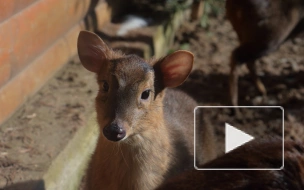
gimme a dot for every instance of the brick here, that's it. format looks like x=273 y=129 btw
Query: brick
x=5 y=73
x=7 y=41
x=35 y=28
x=103 y=14
x=8 y=8
x=17 y=91
x=29 y=43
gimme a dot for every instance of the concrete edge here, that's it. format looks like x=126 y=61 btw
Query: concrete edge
x=67 y=170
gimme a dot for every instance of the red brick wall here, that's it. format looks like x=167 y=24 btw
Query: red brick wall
x=36 y=38
x=8 y=8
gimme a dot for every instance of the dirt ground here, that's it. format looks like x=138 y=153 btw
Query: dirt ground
x=281 y=71
x=41 y=128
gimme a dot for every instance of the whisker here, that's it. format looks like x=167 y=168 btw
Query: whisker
x=123 y=155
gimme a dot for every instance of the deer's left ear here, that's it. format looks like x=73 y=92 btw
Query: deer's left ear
x=175 y=68
x=92 y=51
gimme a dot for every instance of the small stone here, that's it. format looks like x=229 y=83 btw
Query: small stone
x=257 y=100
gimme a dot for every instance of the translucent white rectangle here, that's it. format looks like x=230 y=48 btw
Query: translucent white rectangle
x=276 y=107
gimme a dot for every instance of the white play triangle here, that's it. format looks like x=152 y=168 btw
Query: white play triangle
x=235 y=138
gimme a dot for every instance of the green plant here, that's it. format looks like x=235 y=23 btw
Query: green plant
x=211 y=8
x=162 y=5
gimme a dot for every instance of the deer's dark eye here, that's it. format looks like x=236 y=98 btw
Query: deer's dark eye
x=105 y=87
x=145 y=95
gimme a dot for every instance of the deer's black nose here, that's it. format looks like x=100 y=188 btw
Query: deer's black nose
x=114 y=132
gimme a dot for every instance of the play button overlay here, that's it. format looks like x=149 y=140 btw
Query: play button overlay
x=233 y=132
x=235 y=138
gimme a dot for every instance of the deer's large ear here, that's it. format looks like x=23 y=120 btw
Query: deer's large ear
x=92 y=51
x=175 y=68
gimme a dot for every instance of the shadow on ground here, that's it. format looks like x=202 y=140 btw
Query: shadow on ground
x=27 y=185
x=213 y=89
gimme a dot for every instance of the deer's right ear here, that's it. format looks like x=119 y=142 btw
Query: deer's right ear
x=175 y=68
x=92 y=51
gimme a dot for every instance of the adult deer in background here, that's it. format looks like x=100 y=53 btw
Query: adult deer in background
x=261 y=26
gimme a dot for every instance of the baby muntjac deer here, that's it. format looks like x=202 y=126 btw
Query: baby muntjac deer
x=291 y=177
x=261 y=26
x=146 y=129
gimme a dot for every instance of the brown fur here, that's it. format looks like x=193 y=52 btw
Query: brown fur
x=159 y=130
x=262 y=26
x=249 y=155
